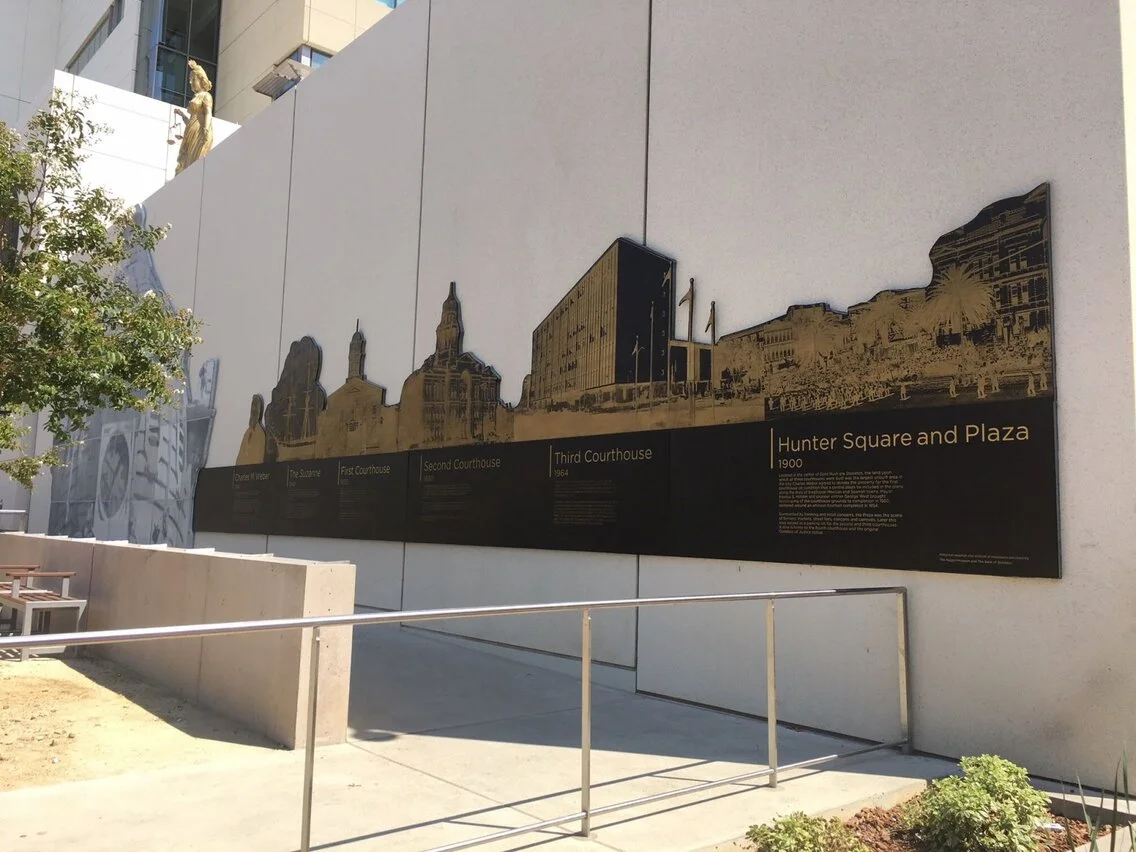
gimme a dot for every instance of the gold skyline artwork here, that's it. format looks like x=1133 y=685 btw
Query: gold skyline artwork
x=606 y=359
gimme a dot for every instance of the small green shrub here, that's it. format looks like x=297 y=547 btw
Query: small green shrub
x=992 y=808
x=798 y=832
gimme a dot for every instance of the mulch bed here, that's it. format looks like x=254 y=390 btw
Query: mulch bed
x=882 y=831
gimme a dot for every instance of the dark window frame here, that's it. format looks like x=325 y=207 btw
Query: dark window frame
x=160 y=88
x=111 y=18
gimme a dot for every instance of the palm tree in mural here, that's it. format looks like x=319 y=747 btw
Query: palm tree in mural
x=815 y=335
x=960 y=301
x=885 y=315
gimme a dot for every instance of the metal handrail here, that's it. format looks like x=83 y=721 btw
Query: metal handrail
x=586 y=812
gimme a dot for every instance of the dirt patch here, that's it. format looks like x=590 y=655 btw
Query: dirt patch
x=86 y=718
x=882 y=831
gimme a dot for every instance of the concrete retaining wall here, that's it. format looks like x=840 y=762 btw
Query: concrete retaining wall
x=258 y=679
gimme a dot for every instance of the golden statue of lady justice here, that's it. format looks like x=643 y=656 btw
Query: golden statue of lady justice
x=197 y=138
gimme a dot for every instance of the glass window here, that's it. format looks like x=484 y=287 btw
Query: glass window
x=98 y=35
x=173 y=69
x=305 y=54
x=175 y=24
x=205 y=29
x=190 y=30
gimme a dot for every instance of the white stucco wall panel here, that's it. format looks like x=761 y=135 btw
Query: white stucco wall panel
x=13 y=43
x=240 y=266
x=232 y=543
x=534 y=161
x=40 y=39
x=353 y=233
x=175 y=258
x=378 y=564
x=442 y=576
x=837 y=659
x=9 y=110
x=115 y=60
x=798 y=152
x=802 y=152
x=132 y=182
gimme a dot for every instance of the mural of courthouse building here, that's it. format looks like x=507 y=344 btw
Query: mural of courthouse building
x=613 y=327
x=1010 y=251
x=999 y=266
x=357 y=420
x=454 y=397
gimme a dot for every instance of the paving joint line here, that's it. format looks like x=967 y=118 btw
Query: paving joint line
x=426 y=731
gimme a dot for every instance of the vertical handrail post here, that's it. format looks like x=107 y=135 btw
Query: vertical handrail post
x=310 y=745
x=586 y=723
x=904 y=672
x=771 y=687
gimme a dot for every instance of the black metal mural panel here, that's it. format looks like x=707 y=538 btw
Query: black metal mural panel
x=467 y=495
x=912 y=430
x=237 y=499
x=967 y=489
x=370 y=497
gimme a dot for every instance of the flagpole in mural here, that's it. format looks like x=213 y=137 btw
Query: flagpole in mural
x=651 y=362
x=688 y=299
x=635 y=352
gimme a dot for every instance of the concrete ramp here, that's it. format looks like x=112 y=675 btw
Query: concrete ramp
x=450 y=741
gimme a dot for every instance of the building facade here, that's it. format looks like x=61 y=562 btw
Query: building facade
x=144 y=46
x=357 y=420
x=612 y=327
x=454 y=397
x=1012 y=255
x=534 y=159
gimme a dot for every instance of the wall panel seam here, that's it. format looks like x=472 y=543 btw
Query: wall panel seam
x=421 y=191
x=287 y=240
x=647 y=117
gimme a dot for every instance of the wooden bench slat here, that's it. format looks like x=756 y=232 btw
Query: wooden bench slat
x=24 y=574
x=33 y=595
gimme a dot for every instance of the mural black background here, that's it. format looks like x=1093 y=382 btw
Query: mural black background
x=704 y=492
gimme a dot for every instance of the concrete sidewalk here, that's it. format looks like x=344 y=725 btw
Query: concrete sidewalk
x=450 y=742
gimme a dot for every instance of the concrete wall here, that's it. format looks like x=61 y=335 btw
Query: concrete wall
x=258 y=34
x=117 y=57
x=786 y=153
x=41 y=36
x=257 y=679
x=133 y=161
x=28 y=44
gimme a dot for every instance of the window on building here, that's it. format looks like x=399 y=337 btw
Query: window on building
x=305 y=54
x=98 y=35
x=308 y=55
x=190 y=29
